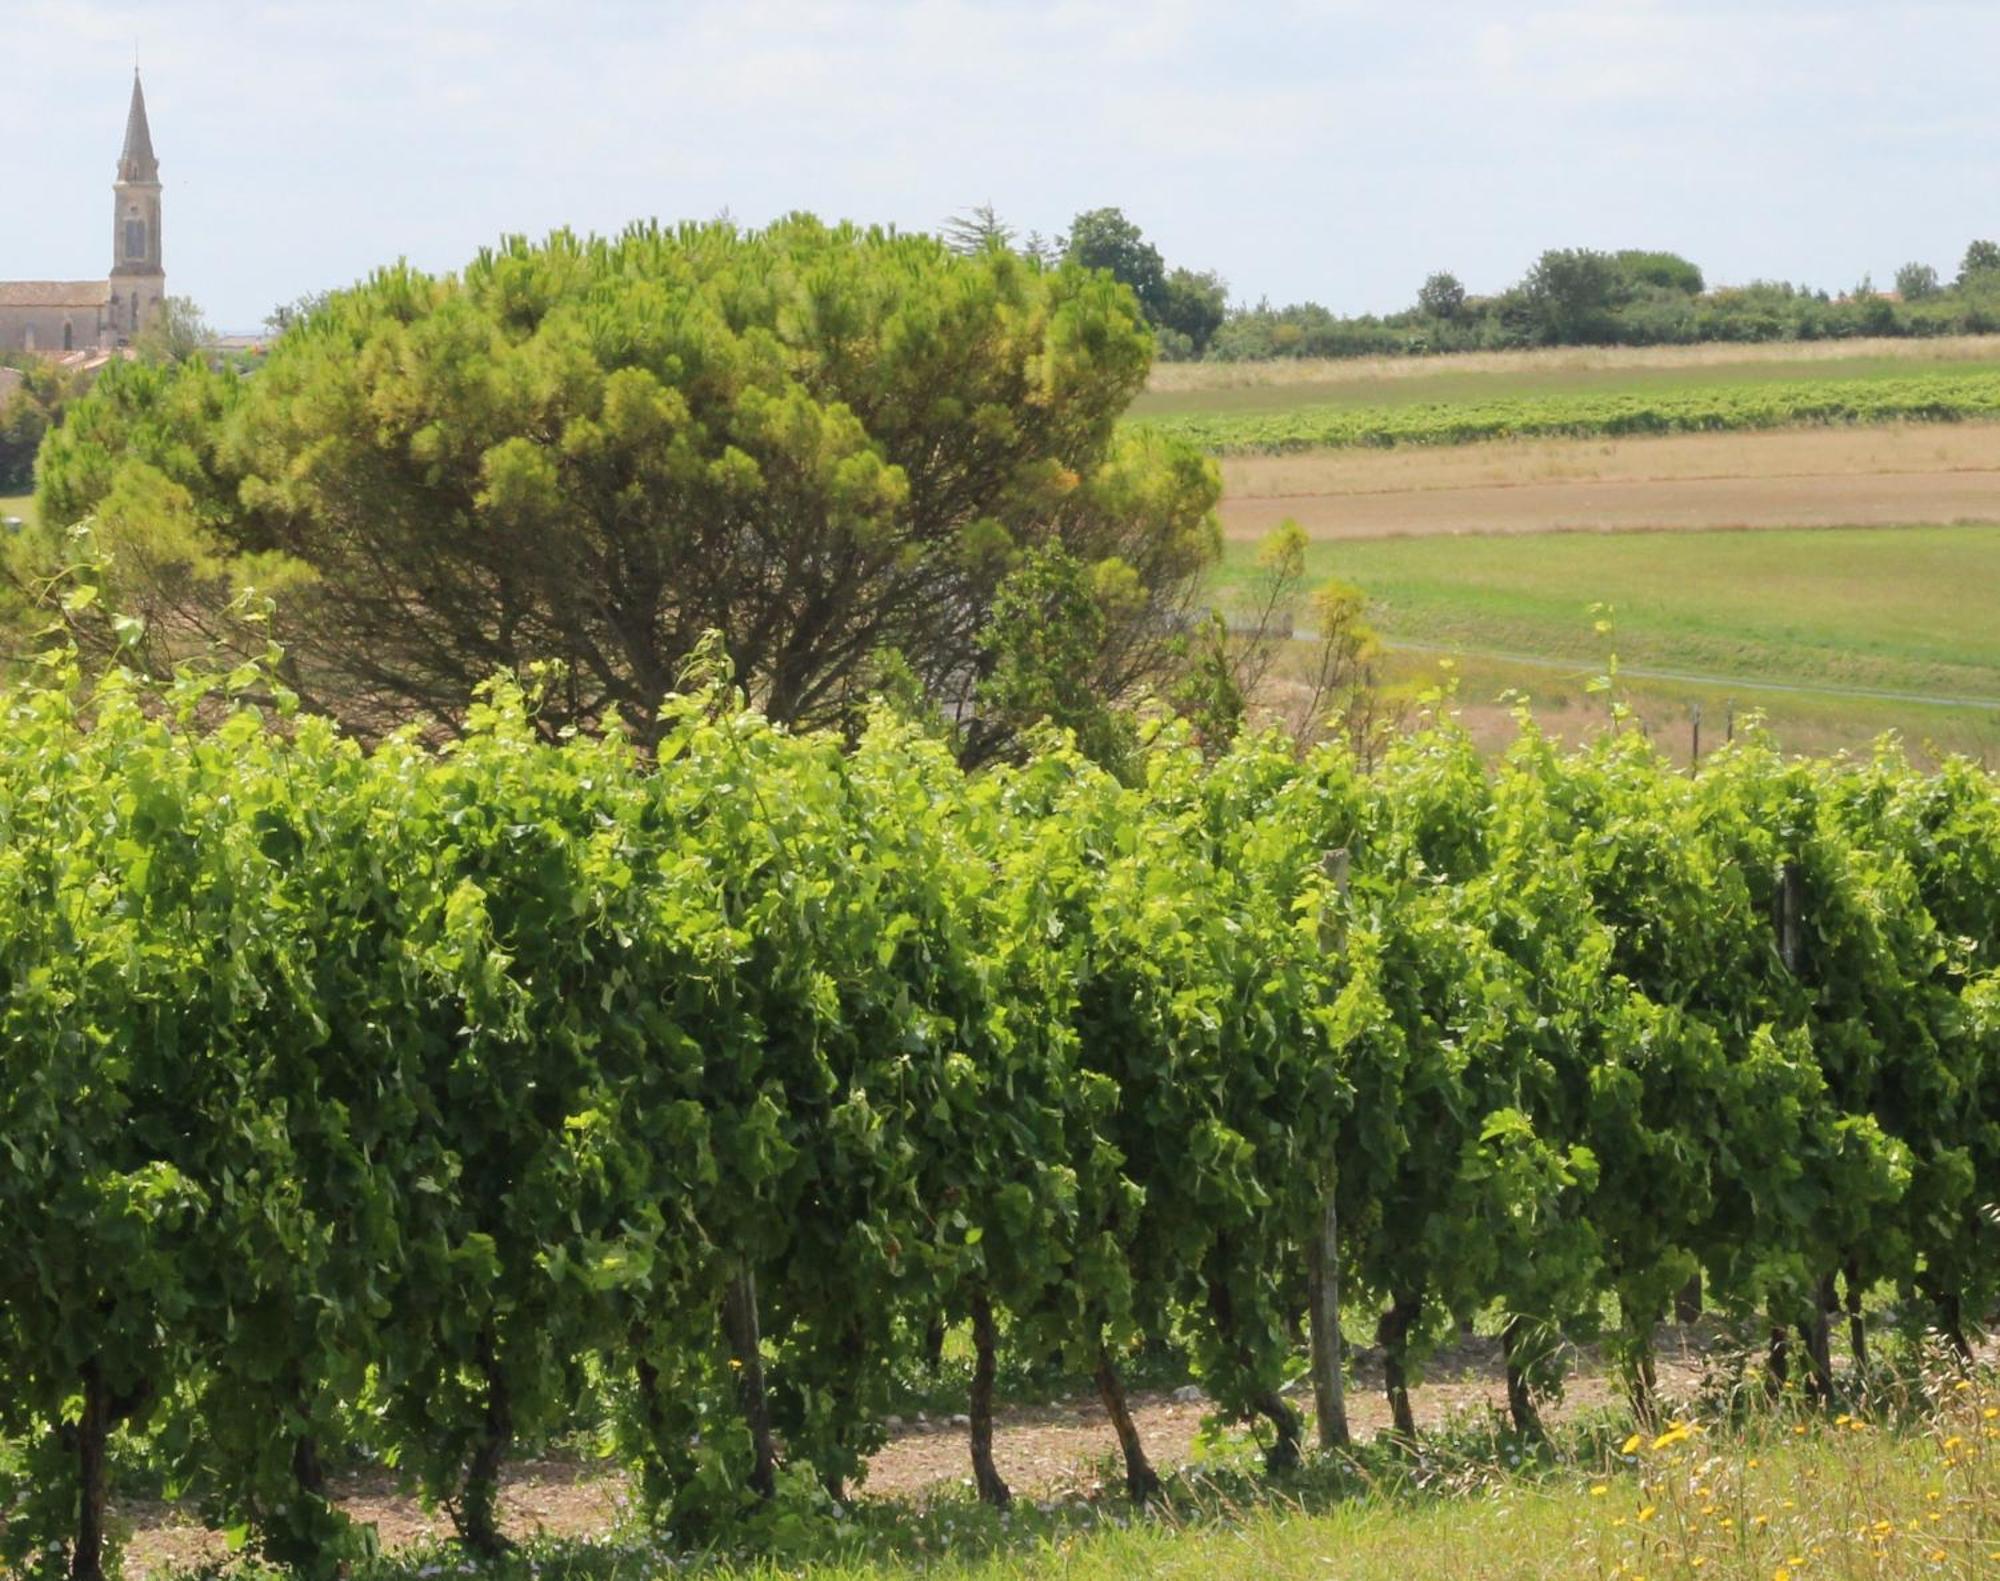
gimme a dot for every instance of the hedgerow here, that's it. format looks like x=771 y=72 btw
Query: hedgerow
x=398 y=1098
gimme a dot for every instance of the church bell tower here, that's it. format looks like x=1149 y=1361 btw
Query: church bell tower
x=138 y=279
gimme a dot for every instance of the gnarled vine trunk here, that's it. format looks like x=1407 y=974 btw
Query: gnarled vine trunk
x=1141 y=1481
x=103 y=1410
x=1857 y=1324
x=1520 y=1398
x=1283 y=1454
x=93 y=1439
x=477 y=1514
x=1816 y=1332
x=986 y=1476
x=1393 y=1333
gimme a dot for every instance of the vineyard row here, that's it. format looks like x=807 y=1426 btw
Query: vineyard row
x=1931 y=398
x=398 y=1099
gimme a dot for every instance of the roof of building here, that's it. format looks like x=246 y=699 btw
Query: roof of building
x=137 y=163
x=54 y=293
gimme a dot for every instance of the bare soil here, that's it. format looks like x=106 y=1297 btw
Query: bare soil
x=1041 y=1450
x=1816 y=478
x=1891 y=448
x=1707 y=504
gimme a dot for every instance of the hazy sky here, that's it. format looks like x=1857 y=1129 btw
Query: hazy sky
x=1333 y=151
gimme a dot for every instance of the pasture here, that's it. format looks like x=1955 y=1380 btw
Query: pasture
x=21 y=505
x=1836 y=635
x=1906 y=610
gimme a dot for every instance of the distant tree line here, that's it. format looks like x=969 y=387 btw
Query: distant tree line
x=1573 y=296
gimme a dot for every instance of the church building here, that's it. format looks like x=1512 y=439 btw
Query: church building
x=54 y=316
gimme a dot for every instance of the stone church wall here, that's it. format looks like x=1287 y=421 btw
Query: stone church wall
x=46 y=325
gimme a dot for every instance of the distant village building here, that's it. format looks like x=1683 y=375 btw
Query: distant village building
x=56 y=316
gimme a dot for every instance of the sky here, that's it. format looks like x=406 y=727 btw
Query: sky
x=1335 y=152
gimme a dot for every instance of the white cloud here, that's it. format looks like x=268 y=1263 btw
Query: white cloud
x=1332 y=150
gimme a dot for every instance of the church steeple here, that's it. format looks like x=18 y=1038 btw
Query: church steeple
x=138 y=277
x=137 y=163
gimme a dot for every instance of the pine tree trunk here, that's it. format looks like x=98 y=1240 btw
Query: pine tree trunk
x=1393 y=1333
x=1520 y=1398
x=746 y=1345
x=986 y=1477
x=1141 y=1481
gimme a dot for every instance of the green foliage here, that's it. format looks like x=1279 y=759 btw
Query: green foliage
x=396 y=1099
x=828 y=444
x=176 y=332
x=1917 y=282
x=1442 y=297
x=1570 y=296
x=1105 y=239
x=1186 y=307
x=1634 y=297
x=1982 y=258
x=1193 y=307
x=1661 y=270
x=1046 y=632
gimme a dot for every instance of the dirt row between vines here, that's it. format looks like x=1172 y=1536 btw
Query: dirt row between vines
x=1044 y=1452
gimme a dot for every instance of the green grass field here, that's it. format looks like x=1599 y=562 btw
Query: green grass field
x=1902 y=610
x=21 y=505
x=1839 y=633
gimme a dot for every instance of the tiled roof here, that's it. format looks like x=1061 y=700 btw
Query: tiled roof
x=54 y=293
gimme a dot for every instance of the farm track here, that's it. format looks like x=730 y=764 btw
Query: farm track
x=1627 y=505
x=1051 y=1451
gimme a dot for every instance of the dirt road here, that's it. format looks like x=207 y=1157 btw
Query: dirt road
x=1804 y=478
x=1701 y=504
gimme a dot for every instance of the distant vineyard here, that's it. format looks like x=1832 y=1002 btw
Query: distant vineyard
x=403 y=1098
x=1937 y=398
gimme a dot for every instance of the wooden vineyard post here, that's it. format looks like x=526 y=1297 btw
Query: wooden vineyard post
x=1323 y=1252
x=1694 y=736
x=1814 y=1331
x=1791 y=903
